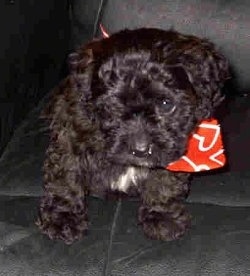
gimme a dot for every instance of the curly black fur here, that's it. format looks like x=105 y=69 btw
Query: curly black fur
x=126 y=110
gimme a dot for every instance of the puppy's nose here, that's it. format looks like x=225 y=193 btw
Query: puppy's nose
x=141 y=149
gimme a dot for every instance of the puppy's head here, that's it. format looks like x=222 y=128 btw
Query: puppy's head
x=149 y=89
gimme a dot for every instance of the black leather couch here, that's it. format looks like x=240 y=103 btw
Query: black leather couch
x=218 y=243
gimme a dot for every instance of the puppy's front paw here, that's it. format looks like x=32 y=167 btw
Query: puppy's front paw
x=164 y=226
x=63 y=228
x=62 y=222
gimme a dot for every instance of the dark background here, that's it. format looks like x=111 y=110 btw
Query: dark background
x=35 y=37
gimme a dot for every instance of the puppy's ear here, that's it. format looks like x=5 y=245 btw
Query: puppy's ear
x=81 y=69
x=207 y=70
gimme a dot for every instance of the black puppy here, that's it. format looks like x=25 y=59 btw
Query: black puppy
x=127 y=110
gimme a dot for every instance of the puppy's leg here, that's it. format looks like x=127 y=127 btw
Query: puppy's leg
x=162 y=213
x=63 y=212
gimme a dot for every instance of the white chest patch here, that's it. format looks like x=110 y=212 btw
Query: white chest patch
x=130 y=177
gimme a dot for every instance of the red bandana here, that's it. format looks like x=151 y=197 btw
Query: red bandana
x=205 y=148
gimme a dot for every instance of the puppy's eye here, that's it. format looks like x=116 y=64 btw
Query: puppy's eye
x=168 y=106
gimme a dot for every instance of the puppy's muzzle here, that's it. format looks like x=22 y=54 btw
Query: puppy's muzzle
x=140 y=148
